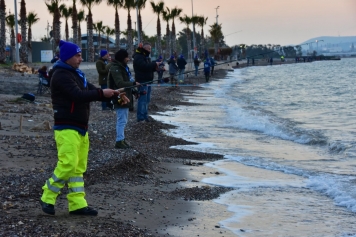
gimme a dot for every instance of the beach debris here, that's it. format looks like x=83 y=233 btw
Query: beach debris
x=21 y=67
x=42 y=126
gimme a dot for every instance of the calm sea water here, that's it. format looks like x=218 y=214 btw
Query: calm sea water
x=288 y=133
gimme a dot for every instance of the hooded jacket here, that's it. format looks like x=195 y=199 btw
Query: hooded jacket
x=103 y=73
x=118 y=77
x=71 y=96
x=143 y=66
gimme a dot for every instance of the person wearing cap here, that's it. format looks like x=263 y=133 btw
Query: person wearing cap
x=173 y=68
x=144 y=69
x=212 y=63
x=119 y=77
x=181 y=68
x=103 y=73
x=71 y=95
x=207 y=65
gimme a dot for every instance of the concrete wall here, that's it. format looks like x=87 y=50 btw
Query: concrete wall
x=36 y=50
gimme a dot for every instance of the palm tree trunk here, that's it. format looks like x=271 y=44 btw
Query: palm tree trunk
x=189 y=44
x=99 y=43
x=140 y=25
x=159 y=47
x=90 y=37
x=12 y=42
x=216 y=48
x=202 y=39
x=168 y=40
x=75 y=25
x=67 y=30
x=129 y=35
x=79 y=35
x=23 y=24
x=56 y=27
x=173 y=38
x=2 y=31
x=107 y=42
x=29 y=44
x=117 y=30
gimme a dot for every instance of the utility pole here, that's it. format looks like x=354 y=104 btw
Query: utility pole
x=195 y=48
x=217 y=14
x=138 y=26
x=16 y=31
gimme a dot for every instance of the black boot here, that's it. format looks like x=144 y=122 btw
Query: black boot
x=47 y=208
x=85 y=211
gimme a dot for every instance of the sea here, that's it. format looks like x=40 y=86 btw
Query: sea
x=288 y=136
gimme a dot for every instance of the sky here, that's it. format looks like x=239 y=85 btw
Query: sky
x=249 y=22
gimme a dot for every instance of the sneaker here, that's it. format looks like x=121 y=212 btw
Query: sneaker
x=85 y=211
x=47 y=208
x=121 y=145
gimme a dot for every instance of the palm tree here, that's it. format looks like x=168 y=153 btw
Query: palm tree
x=75 y=24
x=23 y=24
x=117 y=4
x=216 y=35
x=166 y=17
x=187 y=20
x=89 y=4
x=108 y=32
x=175 y=12
x=129 y=4
x=53 y=8
x=202 y=22
x=100 y=28
x=10 y=22
x=158 y=9
x=31 y=19
x=140 y=5
x=80 y=18
x=2 y=31
x=66 y=13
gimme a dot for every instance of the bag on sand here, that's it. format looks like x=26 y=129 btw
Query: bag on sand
x=29 y=96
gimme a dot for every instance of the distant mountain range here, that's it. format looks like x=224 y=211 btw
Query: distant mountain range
x=343 y=42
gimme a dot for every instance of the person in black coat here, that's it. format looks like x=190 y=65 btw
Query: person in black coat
x=144 y=73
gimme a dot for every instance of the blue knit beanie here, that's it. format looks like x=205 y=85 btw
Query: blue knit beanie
x=103 y=52
x=67 y=50
x=172 y=56
x=181 y=56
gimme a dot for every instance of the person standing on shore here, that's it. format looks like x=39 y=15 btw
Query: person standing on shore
x=212 y=63
x=144 y=70
x=172 y=69
x=119 y=77
x=196 y=64
x=103 y=73
x=207 y=66
x=181 y=67
x=71 y=95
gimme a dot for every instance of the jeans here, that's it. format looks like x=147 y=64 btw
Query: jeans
x=103 y=104
x=121 y=121
x=181 y=75
x=196 y=70
x=143 y=101
x=160 y=76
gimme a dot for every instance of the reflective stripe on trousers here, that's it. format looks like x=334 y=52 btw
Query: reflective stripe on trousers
x=72 y=163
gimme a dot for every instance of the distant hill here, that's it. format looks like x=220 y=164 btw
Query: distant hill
x=343 y=42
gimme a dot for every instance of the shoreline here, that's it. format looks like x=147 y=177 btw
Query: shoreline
x=139 y=191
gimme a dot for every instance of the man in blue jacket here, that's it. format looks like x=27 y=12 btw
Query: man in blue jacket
x=144 y=73
x=181 y=66
x=207 y=66
x=213 y=63
x=71 y=95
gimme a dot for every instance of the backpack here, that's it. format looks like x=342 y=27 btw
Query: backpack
x=29 y=96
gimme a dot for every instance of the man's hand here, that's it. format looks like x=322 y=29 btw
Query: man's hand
x=108 y=93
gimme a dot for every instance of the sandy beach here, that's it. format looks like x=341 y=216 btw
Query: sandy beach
x=149 y=190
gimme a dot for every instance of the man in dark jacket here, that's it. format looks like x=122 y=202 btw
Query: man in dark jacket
x=181 y=66
x=103 y=72
x=144 y=70
x=71 y=95
x=120 y=77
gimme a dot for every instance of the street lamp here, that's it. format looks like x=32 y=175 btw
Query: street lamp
x=217 y=14
x=138 y=26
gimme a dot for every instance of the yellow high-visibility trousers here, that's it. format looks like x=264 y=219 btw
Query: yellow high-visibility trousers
x=73 y=151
